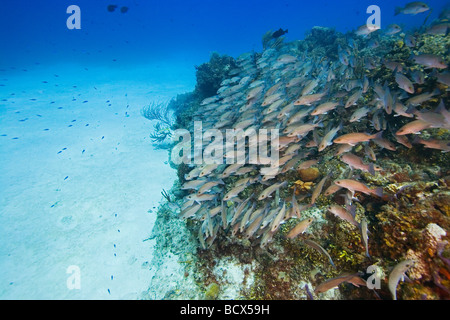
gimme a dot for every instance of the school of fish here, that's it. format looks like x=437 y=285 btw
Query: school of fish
x=320 y=106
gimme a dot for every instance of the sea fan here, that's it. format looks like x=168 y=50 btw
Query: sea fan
x=163 y=128
x=160 y=133
x=158 y=111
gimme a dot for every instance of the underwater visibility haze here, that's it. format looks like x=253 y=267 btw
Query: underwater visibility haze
x=225 y=150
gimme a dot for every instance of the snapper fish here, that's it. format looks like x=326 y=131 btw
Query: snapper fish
x=353 y=99
x=318 y=190
x=413 y=127
x=356 y=162
x=344 y=214
x=234 y=192
x=443 y=78
x=328 y=137
x=319 y=248
x=366 y=29
x=404 y=83
x=309 y=87
x=409 y=41
x=287 y=58
x=268 y=191
x=403 y=140
x=303 y=129
x=413 y=8
x=359 y=113
x=439 y=118
x=365 y=235
x=418 y=76
x=419 y=99
x=430 y=61
x=443 y=145
x=354 y=185
x=300 y=228
x=438 y=29
x=324 y=108
x=397 y=274
x=356 y=137
x=393 y=29
x=309 y=99
x=354 y=279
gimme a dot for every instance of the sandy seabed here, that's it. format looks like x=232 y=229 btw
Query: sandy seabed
x=80 y=179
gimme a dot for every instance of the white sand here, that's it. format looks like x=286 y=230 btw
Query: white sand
x=97 y=217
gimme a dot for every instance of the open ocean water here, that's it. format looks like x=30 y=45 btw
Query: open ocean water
x=93 y=206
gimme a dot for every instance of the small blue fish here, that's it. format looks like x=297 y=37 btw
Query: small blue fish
x=66 y=177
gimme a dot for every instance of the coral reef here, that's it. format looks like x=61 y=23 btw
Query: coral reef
x=210 y=75
x=398 y=195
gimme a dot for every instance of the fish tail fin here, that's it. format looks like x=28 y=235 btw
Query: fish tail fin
x=411 y=110
x=398 y=10
x=351 y=208
x=378 y=192
x=378 y=135
x=371 y=169
x=416 y=140
x=434 y=73
x=440 y=108
x=436 y=92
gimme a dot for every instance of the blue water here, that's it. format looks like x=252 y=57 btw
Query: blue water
x=183 y=31
x=78 y=170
